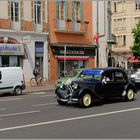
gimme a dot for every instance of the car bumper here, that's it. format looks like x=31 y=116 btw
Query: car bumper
x=64 y=96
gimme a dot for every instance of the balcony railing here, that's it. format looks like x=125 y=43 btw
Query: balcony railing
x=69 y=26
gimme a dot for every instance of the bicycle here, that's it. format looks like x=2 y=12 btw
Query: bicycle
x=38 y=81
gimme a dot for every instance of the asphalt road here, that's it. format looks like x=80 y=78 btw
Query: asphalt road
x=38 y=116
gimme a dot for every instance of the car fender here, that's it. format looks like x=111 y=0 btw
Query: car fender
x=128 y=86
x=87 y=90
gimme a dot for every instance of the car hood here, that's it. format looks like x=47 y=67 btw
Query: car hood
x=87 y=82
x=64 y=80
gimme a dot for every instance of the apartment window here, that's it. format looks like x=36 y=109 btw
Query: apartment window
x=61 y=10
x=124 y=40
x=137 y=2
x=115 y=7
x=37 y=11
x=77 y=10
x=14 y=11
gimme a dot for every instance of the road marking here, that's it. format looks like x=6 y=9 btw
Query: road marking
x=45 y=104
x=10 y=99
x=2 y=108
x=38 y=93
x=47 y=95
x=19 y=113
x=68 y=119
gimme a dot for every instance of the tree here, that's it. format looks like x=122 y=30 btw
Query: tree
x=136 y=45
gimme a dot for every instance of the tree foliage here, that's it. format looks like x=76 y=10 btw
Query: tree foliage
x=136 y=45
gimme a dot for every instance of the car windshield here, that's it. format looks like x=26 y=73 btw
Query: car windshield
x=92 y=74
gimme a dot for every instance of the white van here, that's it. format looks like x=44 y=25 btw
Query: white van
x=11 y=80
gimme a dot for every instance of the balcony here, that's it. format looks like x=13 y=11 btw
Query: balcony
x=71 y=27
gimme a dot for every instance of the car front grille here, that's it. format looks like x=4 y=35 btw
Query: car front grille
x=70 y=88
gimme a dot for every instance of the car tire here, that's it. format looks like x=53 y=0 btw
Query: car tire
x=130 y=95
x=17 y=91
x=61 y=102
x=86 y=100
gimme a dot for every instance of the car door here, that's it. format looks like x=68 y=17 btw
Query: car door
x=109 y=87
x=119 y=82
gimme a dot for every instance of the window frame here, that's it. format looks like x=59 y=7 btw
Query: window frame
x=15 y=10
x=37 y=11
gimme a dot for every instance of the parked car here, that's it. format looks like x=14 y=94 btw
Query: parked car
x=71 y=75
x=11 y=80
x=94 y=87
x=135 y=77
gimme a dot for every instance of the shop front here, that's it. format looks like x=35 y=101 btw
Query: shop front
x=11 y=55
x=69 y=58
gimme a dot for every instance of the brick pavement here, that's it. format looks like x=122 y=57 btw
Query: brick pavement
x=48 y=87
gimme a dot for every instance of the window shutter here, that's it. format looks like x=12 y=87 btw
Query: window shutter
x=81 y=11
x=57 y=9
x=73 y=11
x=66 y=10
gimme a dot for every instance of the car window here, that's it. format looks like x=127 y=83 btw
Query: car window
x=93 y=74
x=119 y=76
x=109 y=75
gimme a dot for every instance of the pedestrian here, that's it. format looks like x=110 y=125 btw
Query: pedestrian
x=36 y=72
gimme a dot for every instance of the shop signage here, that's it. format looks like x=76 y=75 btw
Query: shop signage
x=74 y=51
x=11 y=49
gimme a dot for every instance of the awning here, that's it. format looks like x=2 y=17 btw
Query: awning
x=73 y=57
x=133 y=60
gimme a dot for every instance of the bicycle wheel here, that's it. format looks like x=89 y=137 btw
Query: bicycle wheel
x=43 y=81
x=33 y=82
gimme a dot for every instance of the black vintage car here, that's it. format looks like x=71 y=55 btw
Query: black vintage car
x=97 y=85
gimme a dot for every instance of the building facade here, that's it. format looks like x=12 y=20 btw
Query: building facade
x=101 y=28
x=71 y=36
x=125 y=15
x=24 y=35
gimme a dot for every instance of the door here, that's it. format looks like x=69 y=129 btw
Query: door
x=120 y=83
x=108 y=87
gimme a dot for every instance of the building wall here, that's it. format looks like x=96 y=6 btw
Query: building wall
x=26 y=32
x=72 y=38
x=128 y=12
x=102 y=30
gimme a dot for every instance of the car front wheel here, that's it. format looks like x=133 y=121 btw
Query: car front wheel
x=17 y=91
x=85 y=100
x=130 y=95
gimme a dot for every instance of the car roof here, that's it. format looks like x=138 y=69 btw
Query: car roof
x=109 y=68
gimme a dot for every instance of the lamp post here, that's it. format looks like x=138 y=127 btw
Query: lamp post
x=65 y=49
x=97 y=34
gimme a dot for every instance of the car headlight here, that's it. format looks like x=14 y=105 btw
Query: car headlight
x=62 y=85
x=75 y=86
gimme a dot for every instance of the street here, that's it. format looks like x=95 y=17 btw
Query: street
x=38 y=116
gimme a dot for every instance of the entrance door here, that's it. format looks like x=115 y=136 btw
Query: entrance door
x=5 y=61
x=39 y=61
x=39 y=50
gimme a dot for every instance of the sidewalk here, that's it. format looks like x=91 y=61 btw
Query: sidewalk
x=48 y=87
